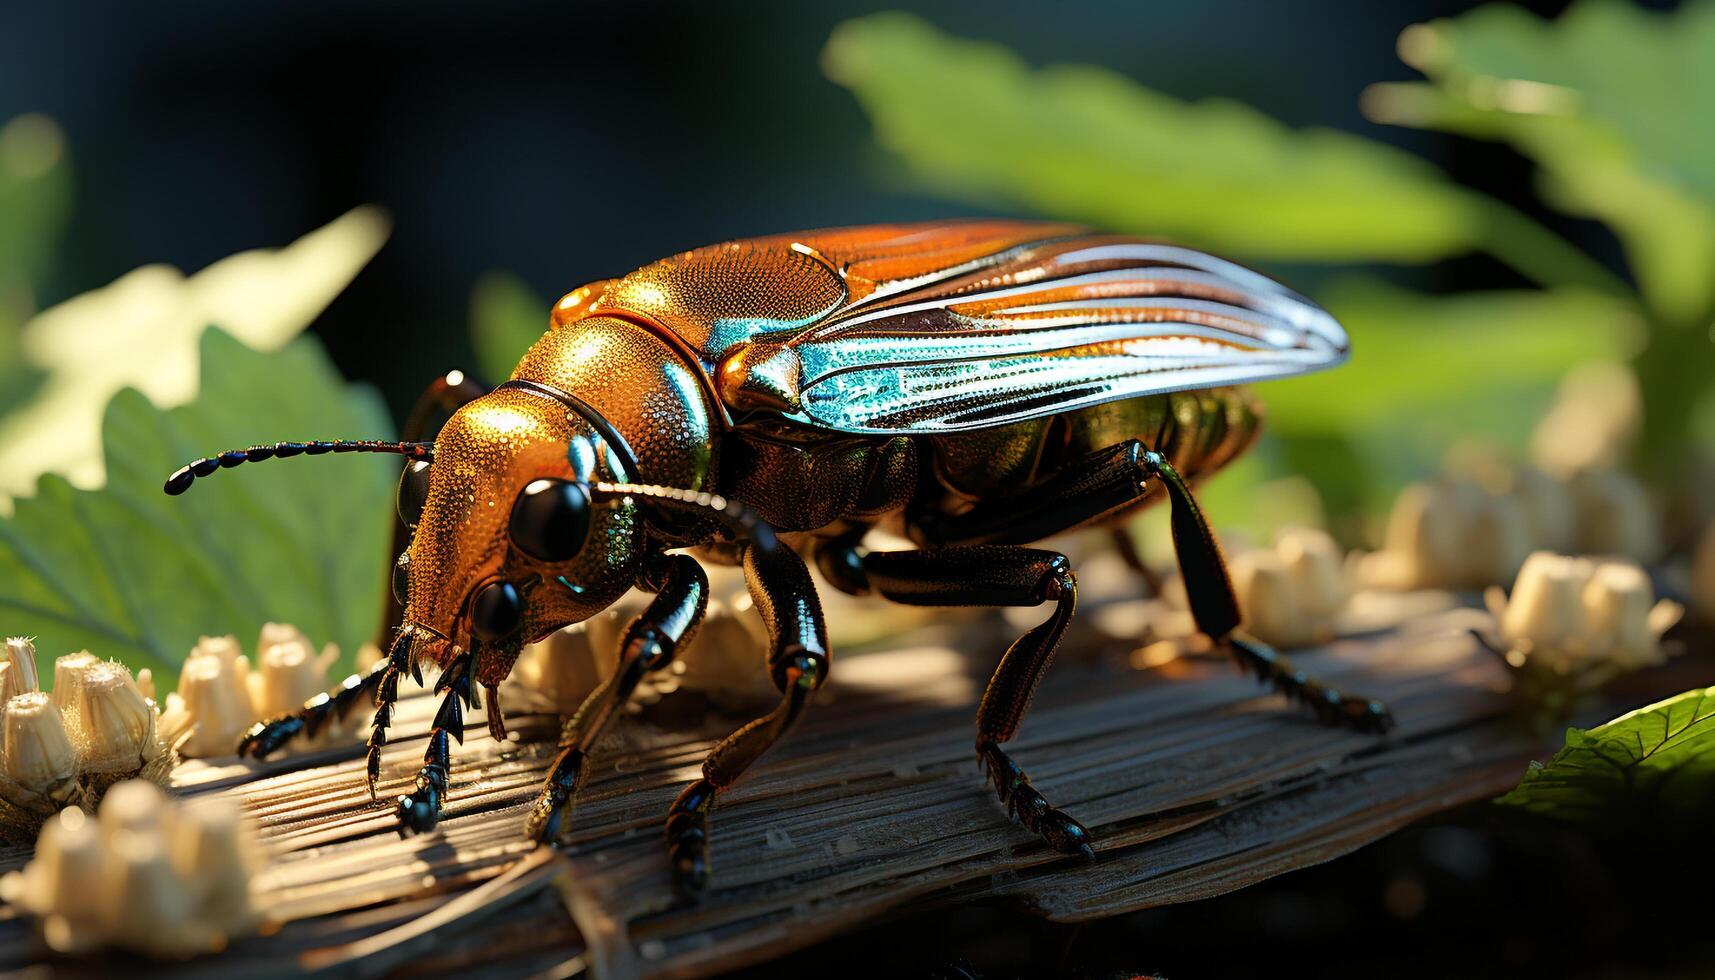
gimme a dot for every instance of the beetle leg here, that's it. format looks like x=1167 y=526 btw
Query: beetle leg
x=1087 y=491
x=798 y=661
x=265 y=737
x=1215 y=608
x=420 y=810
x=682 y=596
x=998 y=575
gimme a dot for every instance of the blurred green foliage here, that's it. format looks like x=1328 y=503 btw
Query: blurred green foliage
x=35 y=202
x=1606 y=100
x=1652 y=767
x=506 y=318
x=1613 y=103
x=972 y=121
x=1084 y=143
x=1408 y=392
x=131 y=573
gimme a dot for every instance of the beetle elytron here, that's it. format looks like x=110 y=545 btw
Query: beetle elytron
x=973 y=386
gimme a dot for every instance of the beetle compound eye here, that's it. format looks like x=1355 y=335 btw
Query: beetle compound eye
x=413 y=492
x=551 y=519
x=402 y=577
x=495 y=611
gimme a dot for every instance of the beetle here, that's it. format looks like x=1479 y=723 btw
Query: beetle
x=974 y=386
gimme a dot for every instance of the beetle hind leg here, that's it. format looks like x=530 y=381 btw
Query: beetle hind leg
x=1215 y=608
x=1105 y=483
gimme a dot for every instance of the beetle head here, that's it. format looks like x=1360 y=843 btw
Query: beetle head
x=509 y=543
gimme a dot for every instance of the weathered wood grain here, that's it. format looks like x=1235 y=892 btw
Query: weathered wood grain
x=1193 y=780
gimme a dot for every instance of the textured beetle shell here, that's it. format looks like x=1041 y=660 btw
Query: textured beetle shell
x=852 y=377
x=991 y=353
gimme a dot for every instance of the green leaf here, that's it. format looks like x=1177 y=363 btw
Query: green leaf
x=35 y=202
x=141 y=331
x=1610 y=100
x=1656 y=762
x=506 y=317
x=974 y=122
x=1404 y=397
x=1410 y=350
x=131 y=573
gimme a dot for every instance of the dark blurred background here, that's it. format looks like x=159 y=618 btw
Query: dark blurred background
x=566 y=143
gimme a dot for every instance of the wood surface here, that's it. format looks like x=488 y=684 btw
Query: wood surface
x=1193 y=780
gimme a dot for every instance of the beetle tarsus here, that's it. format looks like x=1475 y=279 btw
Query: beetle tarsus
x=1028 y=806
x=688 y=838
x=388 y=673
x=546 y=822
x=420 y=810
x=1330 y=705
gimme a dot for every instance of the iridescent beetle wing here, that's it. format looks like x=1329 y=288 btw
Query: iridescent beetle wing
x=951 y=327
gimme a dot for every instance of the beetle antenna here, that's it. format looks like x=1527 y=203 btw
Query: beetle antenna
x=735 y=518
x=185 y=475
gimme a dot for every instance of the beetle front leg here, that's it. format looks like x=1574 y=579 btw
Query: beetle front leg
x=1215 y=607
x=420 y=810
x=798 y=661
x=650 y=642
x=266 y=737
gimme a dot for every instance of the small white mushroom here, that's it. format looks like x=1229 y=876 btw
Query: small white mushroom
x=19 y=668
x=1615 y=516
x=728 y=658
x=68 y=683
x=117 y=725
x=135 y=806
x=559 y=671
x=1544 y=611
x=211 y=708
x=39 y=754
x=144 y=905
x=288 y=673
x=69 y=855
x=1291 y=593
x=214 y=858
x=1315 y=560
x=1594 y=617
x=151 y=875
x=63 y=881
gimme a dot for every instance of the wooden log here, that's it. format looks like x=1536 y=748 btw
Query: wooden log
x=1193 y=781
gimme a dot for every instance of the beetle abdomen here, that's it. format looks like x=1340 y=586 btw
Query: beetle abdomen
x=1199 y=431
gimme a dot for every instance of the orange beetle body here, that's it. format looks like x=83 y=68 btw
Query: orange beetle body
x=974 y=386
